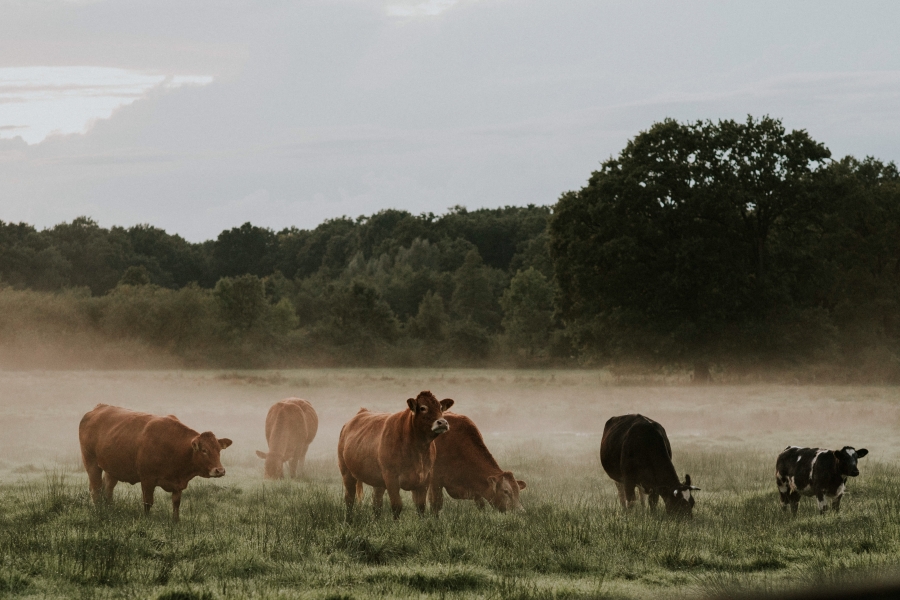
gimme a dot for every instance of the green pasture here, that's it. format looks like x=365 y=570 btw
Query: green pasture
x=245 y=538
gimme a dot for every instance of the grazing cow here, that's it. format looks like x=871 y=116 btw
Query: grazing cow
x=635 y=451
x=465 y=467
x=815 y=472
x=118 y=444
x=392 y=452
x=291 y=426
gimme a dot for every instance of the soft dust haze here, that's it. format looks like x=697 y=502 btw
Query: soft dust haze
x=553 y=416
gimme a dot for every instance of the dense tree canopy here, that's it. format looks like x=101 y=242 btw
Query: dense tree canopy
x=690 y=241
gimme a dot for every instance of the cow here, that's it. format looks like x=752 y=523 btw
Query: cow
x=391 y=452
x=465 y=468
x=635 y=452
x=291 y=426
x=815 y=472
x=118 y=444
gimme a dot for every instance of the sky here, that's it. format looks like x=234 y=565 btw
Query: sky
x=199 y=116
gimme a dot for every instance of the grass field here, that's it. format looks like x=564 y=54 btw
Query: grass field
x=243 y=537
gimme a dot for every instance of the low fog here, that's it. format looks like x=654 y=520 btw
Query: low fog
x=558 y=415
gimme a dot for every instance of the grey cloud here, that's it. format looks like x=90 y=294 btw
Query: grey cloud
x=322 y=109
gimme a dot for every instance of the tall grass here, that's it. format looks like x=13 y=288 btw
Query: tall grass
x=242 y=537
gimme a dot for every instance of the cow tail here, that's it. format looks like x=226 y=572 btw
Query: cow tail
x=359 y=491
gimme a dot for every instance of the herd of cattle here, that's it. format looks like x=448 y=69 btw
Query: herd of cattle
x=423 y=449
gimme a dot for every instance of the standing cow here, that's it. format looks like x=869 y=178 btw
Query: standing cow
x=291 y=426
x=815 y=472
x=118 y=444
x=635 y=452
x=465 y=467
x=392 y=452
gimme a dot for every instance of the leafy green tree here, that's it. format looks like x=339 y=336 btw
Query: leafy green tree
x=861 y=246
x=687 y=245
x=528 y=310
x=242 y=301
x=97 y=256
x=473 y=297
x=358 y=318
x=245 y=250
x=135 y=275
x=431 y=322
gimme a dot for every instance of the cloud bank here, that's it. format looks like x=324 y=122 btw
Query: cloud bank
x=299 y=112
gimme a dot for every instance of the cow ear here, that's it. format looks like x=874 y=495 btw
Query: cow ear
x=195 y=444
x=411 y=403
x=446 y=403
x=492 y=481
x=861 y=452
x=687 y=480
x=224 y=443
x=695 y=488
x=522 y=484
x=262 y=455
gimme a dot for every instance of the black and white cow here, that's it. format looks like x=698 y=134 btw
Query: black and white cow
x=815 y=472
x=635 y=452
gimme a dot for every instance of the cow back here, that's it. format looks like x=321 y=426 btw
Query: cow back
x=127 y=443
x=635 y=443
x=461 y=454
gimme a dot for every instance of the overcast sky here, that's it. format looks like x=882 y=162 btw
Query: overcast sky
x=199 y=116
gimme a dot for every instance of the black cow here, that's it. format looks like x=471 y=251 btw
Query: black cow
x=635 y=452
x=815 y=472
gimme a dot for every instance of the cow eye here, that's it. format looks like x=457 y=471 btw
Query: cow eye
x=423 y=409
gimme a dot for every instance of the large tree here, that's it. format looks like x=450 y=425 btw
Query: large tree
x=690 y=244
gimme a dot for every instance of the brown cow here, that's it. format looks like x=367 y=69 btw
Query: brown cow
x=118 y=444
x=391 y=452
x=465 y=467
x=291 y=426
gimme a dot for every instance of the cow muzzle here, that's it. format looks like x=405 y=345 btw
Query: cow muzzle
x=854 y=472
x=440 y=426
x=217 y=472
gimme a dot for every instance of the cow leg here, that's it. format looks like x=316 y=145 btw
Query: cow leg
x=436 y=498
x=176 y=504
x=630 y=498
x=784 y=491
x=836 y=503
x=823 y=504
x=620 y=489
x=109 y=482
x=795 y=502
x=479 y=502
x=95 y=479
x=147 y=491
x=349 y=492
x=419 y=495
x=393 y=490
x=301 y=460
x=377 y=500
x=642 y=495
x=292 y=467
x=653 y=500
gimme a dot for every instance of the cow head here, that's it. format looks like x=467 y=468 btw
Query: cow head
x=846 y=460
x=503 y=492
x=680 y=501
x=206 y=450
x=428 y=414
x=274 y=468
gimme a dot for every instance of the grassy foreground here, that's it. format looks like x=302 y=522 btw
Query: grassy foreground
x=245 y=538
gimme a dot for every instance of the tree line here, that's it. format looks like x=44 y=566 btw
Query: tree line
x=726 y=246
